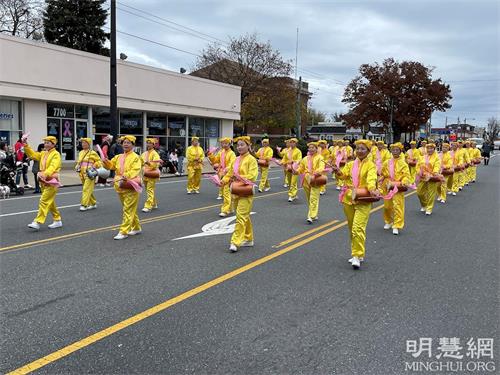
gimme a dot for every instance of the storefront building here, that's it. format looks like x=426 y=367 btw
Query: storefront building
x=52 y=90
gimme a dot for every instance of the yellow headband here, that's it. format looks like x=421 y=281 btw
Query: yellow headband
x=293 y=140
x=398 y=145
x=430 y=145
x=364 y=142
x=315 y=144
x=413 y=143
x=320 y=142
x=129 y=138
x=446 y=144
x=152 y=140
x=380 y=142
x=87 y=140
x=225 y=140
x=265 y=140
x=51 y=139
x=244 y=138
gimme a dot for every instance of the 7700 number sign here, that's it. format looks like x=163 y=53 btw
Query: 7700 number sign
x=59 y=112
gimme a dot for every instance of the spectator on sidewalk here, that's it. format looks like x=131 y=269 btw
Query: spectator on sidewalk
x=179 y=150
x=486 y=151
x=22 y=163
x=174 y=159
x=35 y=169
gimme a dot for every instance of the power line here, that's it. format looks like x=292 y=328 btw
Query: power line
x=165 y=25
x=174 y=23
x=154 y=42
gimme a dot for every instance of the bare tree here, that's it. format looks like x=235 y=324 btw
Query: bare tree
x=22 y=18
x=493 y=129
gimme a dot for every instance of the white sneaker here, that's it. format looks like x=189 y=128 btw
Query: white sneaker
x=56 y=224
x=290 y=199
x=309 y=220
x=267 y=189
x=285 y=185
x=387 y=226
x=246 y=244
x=93 y=207
x=189 y=192
x=361 y=260
x=28 y=186
x=460 y=188
x=233 y=248
x=449 y=193
x=428 y=213
x=315 y=218
x=337 y=188
x=34 y=225
x=395 y=231
x=222 y=214
x=355 y=263
x=219 y=197
x=100 y=185
x=120 y=236
x=442 y=201
x=134 y=232
x=321 y=193
x=108 y=184
x=177 y=174
x=422 y=209
x=83 y=208
x=454 y=194
x=197 y=192
x=260 y=190
x=146 y=210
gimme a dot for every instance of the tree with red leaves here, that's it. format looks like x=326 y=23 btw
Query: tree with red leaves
x=402 y=92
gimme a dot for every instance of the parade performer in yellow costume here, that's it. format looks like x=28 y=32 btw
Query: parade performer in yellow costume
x=151 y=161
x=128 y=185
x=311 y=169
x=50 y=165
x=348 y=150
x=243 y=172
x=379 y=156
x=195 y=156
x=264 y=155
x=475 y=156
x=457 y=161
x=225 y=157
x=429 y=168
x=413 y=155
x=447 y=172
x=360 y=173
x=464 y=158
x=292 y=156
x=286 y=174
x=340 y=158
x=325 y=153
x=395 y=171
x=423 y=148
x=88 y=160
x=470 y=162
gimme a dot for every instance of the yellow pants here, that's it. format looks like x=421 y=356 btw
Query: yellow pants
x=427 y=192
x=473 y=173
x=243 y=230
x=454 y=182
x=292 y=186
x=470 y=173
x=221 y=191
x=413 y=173
x=322 y=188
x=130 y=219
x=394 y=211
x=47 y=204
x=312 y=195
x=357 y=218
x=264 y=182
x=461 y=179
x=287 y=178
x=194 y=179
x=88 y=198
x=226 y=207
x=150 y=190
x=445 y=187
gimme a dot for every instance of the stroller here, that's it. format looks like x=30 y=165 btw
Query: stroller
x=8 y=177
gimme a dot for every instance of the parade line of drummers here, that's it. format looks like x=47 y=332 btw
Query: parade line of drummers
x=369 y=173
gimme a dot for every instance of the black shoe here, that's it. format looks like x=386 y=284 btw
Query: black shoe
x=36 y=192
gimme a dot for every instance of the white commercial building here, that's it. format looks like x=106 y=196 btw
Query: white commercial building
x=51 y=90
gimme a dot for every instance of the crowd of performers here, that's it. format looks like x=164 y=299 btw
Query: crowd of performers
x=371 y=172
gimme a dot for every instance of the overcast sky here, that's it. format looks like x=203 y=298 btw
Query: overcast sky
x=460 y=39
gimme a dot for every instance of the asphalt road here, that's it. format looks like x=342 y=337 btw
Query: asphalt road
x=291 y=304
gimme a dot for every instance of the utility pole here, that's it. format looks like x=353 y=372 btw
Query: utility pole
x=113 y=110
x=390 y=120
x=297 y=113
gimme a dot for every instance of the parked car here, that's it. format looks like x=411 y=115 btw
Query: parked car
x=496 y=144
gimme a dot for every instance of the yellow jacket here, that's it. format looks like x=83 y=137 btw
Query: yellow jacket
x=384 y=155
x=248 y=169
x=283 y=152
x=325 y=153
x=295 y=154
x=456 y=158
x=401 y=170
x=367 y=177
x=87 y=156
x=132 y=167
x=446 y=160
x=465 y=155
x=317 y=166
x=50 y=161
x=150 y=156
x=413 y=154
x=475 y=154
x=432 y=166
x=265 y=153
x=195 y=156
x=229 y=157
x=348 y=151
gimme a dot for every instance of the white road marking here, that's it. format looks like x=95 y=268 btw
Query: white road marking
x=29 y=212
x=214 y=228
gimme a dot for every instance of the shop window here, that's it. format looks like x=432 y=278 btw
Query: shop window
x=131 y=123
x=196 y=127
x=157 y=124
x=176 y=126
x=101 y=120
x=60 y=110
